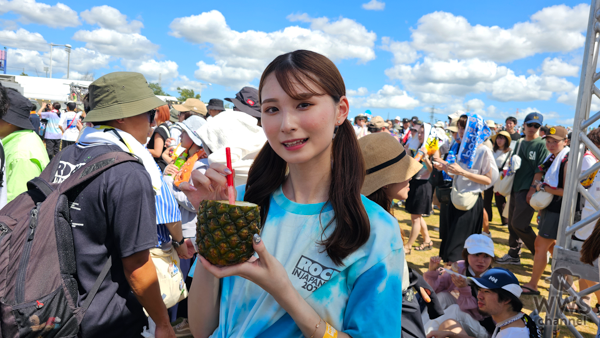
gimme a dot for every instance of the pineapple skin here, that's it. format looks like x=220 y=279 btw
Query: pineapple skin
x=225 y=232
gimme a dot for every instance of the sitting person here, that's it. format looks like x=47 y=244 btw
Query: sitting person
x=478 y=255
x=498 y=295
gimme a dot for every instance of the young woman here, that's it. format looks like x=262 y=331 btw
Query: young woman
x=555 y=174
x=420 y=195
x=157 y=144
x=501 y=150
x=388 y=171
x=478 y=255
x=325 y=254
x=474 y=172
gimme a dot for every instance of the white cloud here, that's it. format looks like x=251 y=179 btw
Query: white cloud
x=387 y=97
x=362 y=91
x=221 y=73
x=570 y=98
x=30 y=11
x=184 y=82
x=521 y=88
x=566 y=122
x=242 y=56
x=558 y=67
x=553 y=29
x=403 y=52
x=374 y=5
x=111 y=18
x=435 y=81
x=151 y=69
x=23 y=39
x=106 y=41
x=82 y=60
x=475 y=104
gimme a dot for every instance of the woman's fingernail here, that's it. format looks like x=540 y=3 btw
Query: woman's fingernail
x=227 y=171
x=256 y=238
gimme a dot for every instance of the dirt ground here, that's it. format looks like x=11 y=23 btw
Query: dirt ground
x=420 y=260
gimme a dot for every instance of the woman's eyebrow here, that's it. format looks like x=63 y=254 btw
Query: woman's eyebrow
x=269 y=100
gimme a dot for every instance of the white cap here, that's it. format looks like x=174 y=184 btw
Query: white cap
x=439 y=124
x=490 y=123
x=456 y=114
x=398 y=118
x=478 y=243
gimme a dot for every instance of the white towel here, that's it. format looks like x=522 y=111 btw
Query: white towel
x=102 y=135
x=551 y=177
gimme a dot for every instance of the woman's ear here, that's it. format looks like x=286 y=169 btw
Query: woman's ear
x=343 y=108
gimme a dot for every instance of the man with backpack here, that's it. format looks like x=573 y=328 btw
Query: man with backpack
x=23 y=151
x=113 y=217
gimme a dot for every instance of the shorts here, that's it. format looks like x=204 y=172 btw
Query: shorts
x=548 y=227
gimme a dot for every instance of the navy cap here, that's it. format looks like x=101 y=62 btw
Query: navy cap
x=405 y=120
x=534 y=118
x=499 y=278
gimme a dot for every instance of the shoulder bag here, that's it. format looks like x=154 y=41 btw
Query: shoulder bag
x=505 y=183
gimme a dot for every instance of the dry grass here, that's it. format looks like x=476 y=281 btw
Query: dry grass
x=420 y=260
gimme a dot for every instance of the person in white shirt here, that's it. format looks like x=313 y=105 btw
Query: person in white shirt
x=498 y=296
x=68 y=125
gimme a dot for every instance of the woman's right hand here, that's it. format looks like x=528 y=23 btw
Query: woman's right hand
x=434 y=263
x=171 y=169
x=211 y=185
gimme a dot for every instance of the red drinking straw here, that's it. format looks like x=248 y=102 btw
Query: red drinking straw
x=230 y=191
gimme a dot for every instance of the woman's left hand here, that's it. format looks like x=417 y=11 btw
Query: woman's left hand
x=459 y=282
x=265 y=271
x=455 y=169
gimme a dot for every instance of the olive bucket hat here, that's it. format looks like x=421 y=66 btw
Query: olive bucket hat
x=119 y=95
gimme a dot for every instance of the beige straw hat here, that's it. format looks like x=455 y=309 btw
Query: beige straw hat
x=386 y=161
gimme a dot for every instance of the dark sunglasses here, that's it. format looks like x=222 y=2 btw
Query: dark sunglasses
x=533 y=125
x=151 y=114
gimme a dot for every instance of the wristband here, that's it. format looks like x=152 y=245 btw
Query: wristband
x=178 y=244
x=330 y=332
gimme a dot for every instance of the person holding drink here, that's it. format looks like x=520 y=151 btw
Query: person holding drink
x=307 y=182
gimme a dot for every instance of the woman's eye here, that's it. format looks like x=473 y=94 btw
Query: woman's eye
x=270 y=110
x=304 y=105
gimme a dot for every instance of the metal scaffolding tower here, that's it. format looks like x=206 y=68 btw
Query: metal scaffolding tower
x=565 y=259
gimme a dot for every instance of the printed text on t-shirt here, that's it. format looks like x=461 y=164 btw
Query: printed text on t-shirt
x=312 y=273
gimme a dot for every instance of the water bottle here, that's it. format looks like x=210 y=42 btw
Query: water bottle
x=181 y=160
x=451 y=157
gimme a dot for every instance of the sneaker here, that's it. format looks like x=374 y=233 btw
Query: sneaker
x=507 y=259
x=183 y=329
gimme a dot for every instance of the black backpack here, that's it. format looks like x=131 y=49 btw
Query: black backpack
x=38 y=289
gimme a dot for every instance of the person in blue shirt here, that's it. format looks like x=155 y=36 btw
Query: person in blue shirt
x=329 y=262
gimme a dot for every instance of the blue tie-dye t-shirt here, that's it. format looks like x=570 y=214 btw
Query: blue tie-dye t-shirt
x=362 y=297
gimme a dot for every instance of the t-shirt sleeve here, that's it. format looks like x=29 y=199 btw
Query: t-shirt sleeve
x=542 y=154
x=374 y=308
x=63 y=121
x=131 y=210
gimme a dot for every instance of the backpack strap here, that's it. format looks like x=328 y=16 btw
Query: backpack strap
x=96 y=287
x=2 y=164
x=94 y=168
x=163 y=127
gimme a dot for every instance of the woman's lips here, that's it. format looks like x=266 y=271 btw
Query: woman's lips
x=294 y=144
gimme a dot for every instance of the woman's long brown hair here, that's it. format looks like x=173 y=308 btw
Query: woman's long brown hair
x=268 y=172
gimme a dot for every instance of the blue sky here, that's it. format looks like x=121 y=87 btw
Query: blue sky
x=398 y=58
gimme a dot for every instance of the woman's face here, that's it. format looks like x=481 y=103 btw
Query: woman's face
x=555 y=146
x=300 y=130
x=461 y=132
x=501 y=141
x=422 y=134
x=398 y=191
x=480 y=262
x=186 y=141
